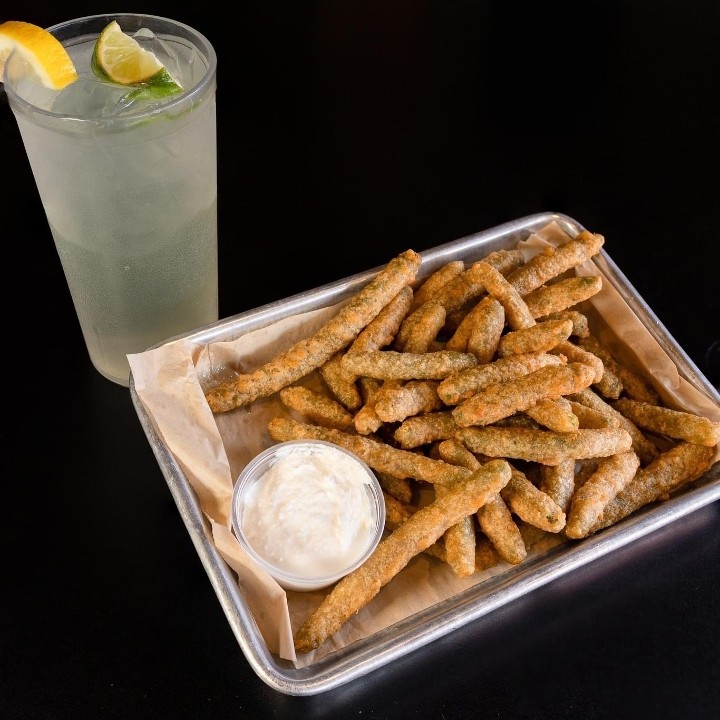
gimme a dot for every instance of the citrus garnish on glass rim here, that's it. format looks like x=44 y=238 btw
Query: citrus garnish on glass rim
x=42 y=52
x=119 y=58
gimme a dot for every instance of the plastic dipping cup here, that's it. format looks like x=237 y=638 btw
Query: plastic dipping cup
x=308 y=512
x=130 y=197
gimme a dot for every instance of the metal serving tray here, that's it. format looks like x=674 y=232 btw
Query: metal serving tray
x=422 y=628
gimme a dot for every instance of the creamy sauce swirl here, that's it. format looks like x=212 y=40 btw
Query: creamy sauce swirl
x=310 y=514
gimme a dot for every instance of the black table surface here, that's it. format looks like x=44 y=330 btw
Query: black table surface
x=348 y=132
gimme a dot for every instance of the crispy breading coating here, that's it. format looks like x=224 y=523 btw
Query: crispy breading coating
x=676 y=424
x=581 y=327
x=432 y=284
x=591 y=418
x=486 y=331
x=587 y=505
x=635 y=386
x=574 y=353
x=341 y=384
x=504 y=399
x=466 y=286
x=466 y=383
x=379 y=456
x=393 y=365
x=558 y=482
x=517 y=313
x=531 y=504
x=317 y=407
x=541 y=337
x=310 y=353
x=485 y=317
x=554 y=414
x=399 y=488
x=644 y=448
x=418 y=532
x=554 y=261
x=404 y=401
x=494 y=518
x=669 y=471
x=425 y=428
x=562 y=294
x=427 y=322
x=544 y=446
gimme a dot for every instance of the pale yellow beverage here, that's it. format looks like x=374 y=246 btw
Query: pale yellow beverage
x=129 y=188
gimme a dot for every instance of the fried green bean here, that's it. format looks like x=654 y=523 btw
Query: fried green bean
x=613 y=474
x=554 y=261
x=517 y=314
x=499 y=401
x=531 y=504
x=310 y=353
x=403 y=401
x=464 y=384
x=432 y=284
x=544 y=446
x=668 y=472
x=425 y=428
x=393 y=365
x=562 y=294
x=379 y=456
x=644 y=448
x=317 y=407
x=394 y=552
x=676 y=424
x=554 y=413
x=541 y=337
x=558 y=482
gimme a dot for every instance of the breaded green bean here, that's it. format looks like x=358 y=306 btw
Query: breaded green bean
x=425 y=428
x=574 y=353
x=403 y=401
x=317 y=407
x=417 y=533
x=366 y=420
x=591 y=418
x=558 y=482
x=541 y=337
x=494 y=518
x=644 y=448
x=554 y=261
x=464 y=287
x=396 y=513
x=464 y=384
x=393 y=365
x=532 y=505
x=581 y=327
x=517 y=314
x=554 y=413
x=427 y=322
x=379 y=456
x=635 y=386
x=486 y=331
x=562 y=294
x=588 y=503
x=669 y=471
x=310 y=353
x=487 y=316
x=341 y=384
x=399 y=488
x=499 y=401
x=544 y=446
x=432 y=284
x=676 y=424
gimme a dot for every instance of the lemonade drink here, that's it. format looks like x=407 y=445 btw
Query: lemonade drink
x=129 y=188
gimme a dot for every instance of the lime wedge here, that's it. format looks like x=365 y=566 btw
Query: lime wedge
x=120 y=59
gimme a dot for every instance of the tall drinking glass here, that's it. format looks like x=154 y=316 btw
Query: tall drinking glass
x=129 y=188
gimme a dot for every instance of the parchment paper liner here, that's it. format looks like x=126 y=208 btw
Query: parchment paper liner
x=212 y=450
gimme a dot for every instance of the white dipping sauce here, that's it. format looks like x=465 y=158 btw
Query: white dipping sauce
x=310 y=514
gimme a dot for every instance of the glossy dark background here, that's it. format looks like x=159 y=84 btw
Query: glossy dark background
x=348 y=132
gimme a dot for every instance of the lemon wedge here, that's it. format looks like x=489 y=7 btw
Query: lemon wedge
x=43 y=52
x=121 y=59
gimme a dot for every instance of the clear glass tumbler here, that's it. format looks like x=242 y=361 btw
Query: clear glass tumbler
x=129 y=188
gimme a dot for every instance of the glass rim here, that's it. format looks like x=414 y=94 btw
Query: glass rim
x=201 y=42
